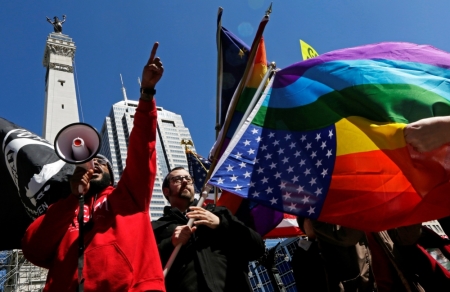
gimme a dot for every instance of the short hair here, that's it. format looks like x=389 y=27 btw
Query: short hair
x=166 y=182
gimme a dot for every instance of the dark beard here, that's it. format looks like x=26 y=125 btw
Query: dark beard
x=96 y=186
x=180 y=194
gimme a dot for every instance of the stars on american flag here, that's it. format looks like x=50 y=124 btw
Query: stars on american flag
x=285 y=170
x=198 y=168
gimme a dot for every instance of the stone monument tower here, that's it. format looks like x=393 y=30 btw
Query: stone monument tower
x=61 y=106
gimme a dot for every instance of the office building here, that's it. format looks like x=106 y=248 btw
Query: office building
x=170 y=153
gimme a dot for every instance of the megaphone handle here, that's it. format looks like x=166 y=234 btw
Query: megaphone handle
x=80 y=264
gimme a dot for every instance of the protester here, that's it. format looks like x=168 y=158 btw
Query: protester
x=121 y=252
x=308 y=266
x=335 y=258
x=215 y=252
x=390 y=252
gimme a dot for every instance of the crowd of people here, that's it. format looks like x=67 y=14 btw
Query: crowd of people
x=122 y=250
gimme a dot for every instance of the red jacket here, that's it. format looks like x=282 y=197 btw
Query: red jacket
x=121 y=252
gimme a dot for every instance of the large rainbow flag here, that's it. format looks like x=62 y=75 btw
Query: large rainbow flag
x=326 y=139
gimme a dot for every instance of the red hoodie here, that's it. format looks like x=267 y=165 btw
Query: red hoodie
x=121 y=252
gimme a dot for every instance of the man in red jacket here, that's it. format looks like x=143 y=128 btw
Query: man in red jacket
x=120 y=248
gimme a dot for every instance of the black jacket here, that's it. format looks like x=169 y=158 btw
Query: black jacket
x=213 y=259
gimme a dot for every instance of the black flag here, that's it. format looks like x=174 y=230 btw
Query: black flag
x=32 y=178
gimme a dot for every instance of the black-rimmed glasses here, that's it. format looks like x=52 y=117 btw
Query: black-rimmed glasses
x=179 y=178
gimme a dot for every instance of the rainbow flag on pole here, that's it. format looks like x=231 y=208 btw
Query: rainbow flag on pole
x=240 y=72
x=326 y=139
x=256 y=73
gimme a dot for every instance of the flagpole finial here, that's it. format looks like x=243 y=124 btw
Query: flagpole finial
x=273 y=65
x=187 y=143
x=269 y=10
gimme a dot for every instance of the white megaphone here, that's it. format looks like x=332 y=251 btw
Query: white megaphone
x=78 y=143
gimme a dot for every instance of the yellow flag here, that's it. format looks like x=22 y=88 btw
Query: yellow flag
x=307 y=51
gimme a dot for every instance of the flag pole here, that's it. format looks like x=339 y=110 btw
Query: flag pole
x=255 y=99
x=219 y=81
x=187 y=144
x=271 y=70
x=239 y=89
x=206 y=188
x=219 y=69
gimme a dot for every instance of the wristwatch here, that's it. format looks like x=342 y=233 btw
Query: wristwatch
x=147 y=93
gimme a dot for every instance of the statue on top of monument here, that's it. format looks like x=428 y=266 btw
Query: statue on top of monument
x=57 y=24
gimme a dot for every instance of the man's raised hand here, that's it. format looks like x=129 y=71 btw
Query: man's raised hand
x=153 y=70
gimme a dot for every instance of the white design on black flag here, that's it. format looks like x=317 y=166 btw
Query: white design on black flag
x=33 y=177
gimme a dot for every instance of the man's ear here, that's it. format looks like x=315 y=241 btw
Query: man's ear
x=166 y=192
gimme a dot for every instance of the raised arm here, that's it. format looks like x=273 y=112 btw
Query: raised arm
x=139 y=175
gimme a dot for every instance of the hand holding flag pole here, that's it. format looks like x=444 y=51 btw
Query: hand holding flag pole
x=174 y=254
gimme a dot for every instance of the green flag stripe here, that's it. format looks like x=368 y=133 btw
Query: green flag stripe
x=246 y=97
x=401 y=103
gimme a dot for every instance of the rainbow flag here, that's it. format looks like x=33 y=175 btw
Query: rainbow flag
x=241 y=71
x=326 y=140
x=257 y=71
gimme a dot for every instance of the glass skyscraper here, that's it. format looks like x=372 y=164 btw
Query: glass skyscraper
x=170 y=153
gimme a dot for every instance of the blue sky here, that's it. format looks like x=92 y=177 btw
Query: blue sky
x=114 y=37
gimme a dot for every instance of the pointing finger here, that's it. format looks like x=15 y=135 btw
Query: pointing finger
x=153 y=53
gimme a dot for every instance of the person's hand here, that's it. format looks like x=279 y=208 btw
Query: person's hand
x=182 y=234
x=428 y=134
x=153 y=70
x=80 y=177
x=203 y=217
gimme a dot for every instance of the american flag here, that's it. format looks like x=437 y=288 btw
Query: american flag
x=198 y=169
x=284 y=170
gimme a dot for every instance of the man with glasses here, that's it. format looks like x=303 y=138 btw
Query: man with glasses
x=120 y=248
x=215 y=252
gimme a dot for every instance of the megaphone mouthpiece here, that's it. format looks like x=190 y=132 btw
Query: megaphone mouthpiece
x=77 y=143
x=79 y=150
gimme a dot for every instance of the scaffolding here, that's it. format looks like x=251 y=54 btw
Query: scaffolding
x=19 y=275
